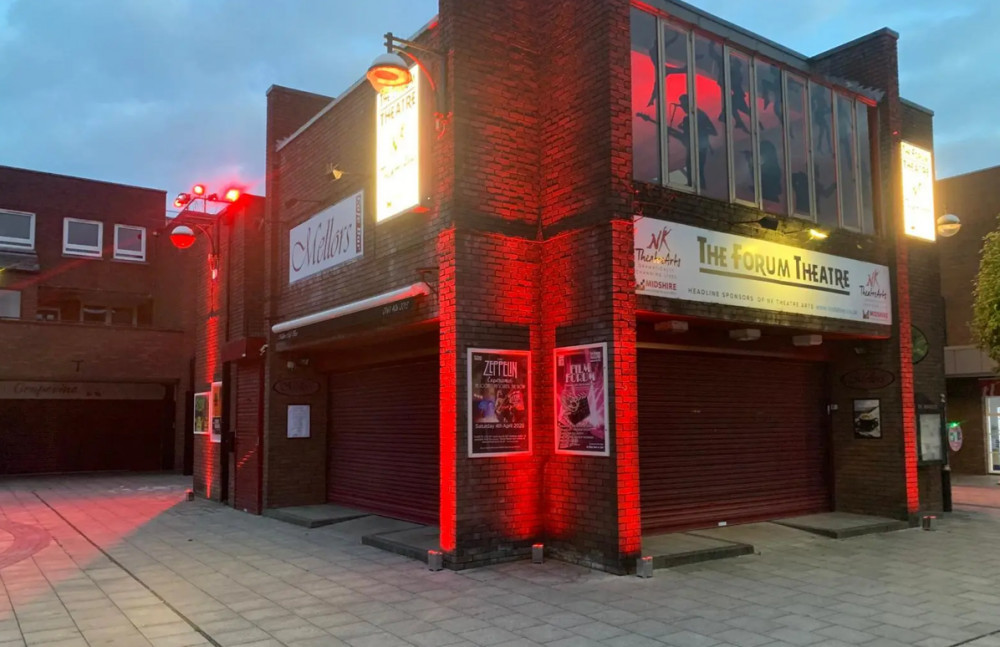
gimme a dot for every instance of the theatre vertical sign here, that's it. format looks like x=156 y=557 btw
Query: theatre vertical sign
x=397 y=148
x=499 y=402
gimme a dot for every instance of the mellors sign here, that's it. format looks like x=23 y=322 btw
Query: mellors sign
x=333 y=236
x=682 y=262
x=397 y=146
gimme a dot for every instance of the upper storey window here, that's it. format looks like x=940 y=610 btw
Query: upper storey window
x=17 y=230
x=714 y=120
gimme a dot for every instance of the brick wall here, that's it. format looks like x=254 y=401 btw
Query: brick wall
x=965 y=406
x=973 y=198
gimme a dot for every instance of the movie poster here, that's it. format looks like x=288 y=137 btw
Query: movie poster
x=581 y=400
x=867 y=419
x=201 y=413
x=499 y=402
x=216 y=412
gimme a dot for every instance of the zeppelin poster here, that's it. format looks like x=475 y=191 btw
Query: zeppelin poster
x=499 y=407
x=683 y=262
x=581 y=400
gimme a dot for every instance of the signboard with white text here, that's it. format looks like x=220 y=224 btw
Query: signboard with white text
x=683 y=262
x=397 y=146
x=332 y=237
x=918 y=191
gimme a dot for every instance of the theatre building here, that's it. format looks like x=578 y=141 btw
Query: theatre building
x=600 y=271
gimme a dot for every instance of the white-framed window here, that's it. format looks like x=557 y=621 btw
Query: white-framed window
x=130 y=243
x=82 y=237
x=10 y=304
x=17 y=230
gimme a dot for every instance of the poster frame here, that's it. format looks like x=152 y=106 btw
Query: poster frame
x=607 y=401
x=213 y=414
x=469 y=399
x=859 y=434
x=206 y=396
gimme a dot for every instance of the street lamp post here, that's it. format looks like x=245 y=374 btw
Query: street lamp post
x=184 y=235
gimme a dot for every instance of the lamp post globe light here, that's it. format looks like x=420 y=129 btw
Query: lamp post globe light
x=948 y=225
x=184 y=235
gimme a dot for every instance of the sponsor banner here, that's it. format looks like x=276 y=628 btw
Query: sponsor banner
x=397 y=147
x=18 y=390
x=682 y=262
x=581 y=400
x=499 y=402
x=332 y=237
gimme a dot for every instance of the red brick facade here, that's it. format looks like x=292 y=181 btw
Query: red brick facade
x=528 y=244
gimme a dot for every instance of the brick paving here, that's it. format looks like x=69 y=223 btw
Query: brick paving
x=125 y=561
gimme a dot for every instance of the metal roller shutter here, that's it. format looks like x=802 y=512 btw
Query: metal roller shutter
x=729 y=439
x=384 y=446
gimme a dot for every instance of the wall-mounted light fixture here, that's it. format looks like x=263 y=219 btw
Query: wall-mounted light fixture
x=948 y=225
x=391 y=70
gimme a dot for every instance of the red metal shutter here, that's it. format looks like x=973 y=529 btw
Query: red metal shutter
x=246 y=450
x=729 y=439
x=384 y=444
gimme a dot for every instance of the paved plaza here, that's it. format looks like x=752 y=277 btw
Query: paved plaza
x=126 y=561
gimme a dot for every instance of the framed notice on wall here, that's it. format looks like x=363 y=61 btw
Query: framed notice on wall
x=216 y=412
x=298 y=421
x=201 y=413
x=867 y=419
x=499 y=402
x=581 y=400
x=931 y=438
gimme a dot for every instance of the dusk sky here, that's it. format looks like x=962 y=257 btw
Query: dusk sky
x=164 y=93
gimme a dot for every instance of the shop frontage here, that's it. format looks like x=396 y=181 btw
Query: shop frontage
x=726 y=439
x=383 y=439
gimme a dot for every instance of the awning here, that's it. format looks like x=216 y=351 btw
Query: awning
x=417 y=289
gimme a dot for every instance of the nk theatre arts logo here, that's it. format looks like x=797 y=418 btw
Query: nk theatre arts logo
x=658 y=250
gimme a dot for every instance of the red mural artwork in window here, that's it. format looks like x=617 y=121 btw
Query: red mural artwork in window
x=710 y=81
x=645 y=99
x=678 y=104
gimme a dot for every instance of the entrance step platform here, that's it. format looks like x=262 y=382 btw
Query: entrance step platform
x=841 y=525
x=315 y=516
x=411 y=542
x=680 y=548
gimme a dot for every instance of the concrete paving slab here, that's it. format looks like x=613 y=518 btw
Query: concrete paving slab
x=764 y=537
x=413 y=543
x=314 y=516
x=841 y=525
x=677 y=549
x=355 y=529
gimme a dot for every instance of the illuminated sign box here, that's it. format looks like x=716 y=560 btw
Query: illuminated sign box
x=918 y=191
x=399 y=149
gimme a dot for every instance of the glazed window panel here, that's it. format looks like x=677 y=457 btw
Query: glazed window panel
x=797 y=120
x=645 y=99
x=676 y=70
x=865 y=170
x=824 y=156
x=710 y=95
x=741 y=126
x=846 y=155
x=771 y=138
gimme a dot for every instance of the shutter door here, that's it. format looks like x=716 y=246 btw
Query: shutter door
x=384 y=443
x=40 y=436
x=246 y=447
x=727 y=438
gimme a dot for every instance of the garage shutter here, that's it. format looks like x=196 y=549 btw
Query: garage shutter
x=40 y=436
x=726 y=438
x=384 y=443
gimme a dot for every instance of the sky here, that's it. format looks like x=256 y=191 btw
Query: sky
x=167 y=93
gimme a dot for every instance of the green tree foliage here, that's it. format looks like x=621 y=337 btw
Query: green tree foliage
x=986 y=297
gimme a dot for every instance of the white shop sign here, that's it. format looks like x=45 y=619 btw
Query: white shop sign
x=332 y=237
x=682 y=262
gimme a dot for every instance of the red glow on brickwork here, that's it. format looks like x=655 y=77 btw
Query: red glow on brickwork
x=906 y=378
x=449 y=384
x=626 y=399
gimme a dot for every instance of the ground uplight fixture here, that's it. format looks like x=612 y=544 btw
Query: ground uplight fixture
x=948 y=225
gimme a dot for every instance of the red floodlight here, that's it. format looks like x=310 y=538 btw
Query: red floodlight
x=182 y=199
x=178 y=203
x=232 y=195
x=198 y=189
x=182 y=236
